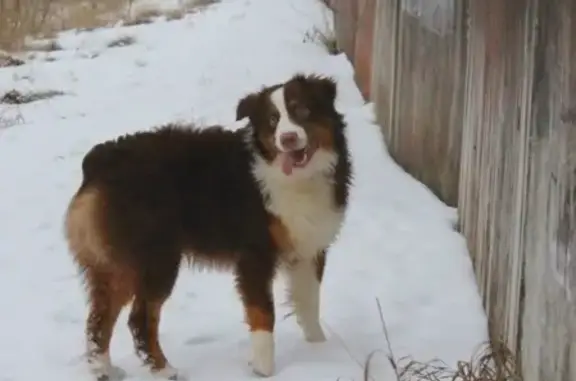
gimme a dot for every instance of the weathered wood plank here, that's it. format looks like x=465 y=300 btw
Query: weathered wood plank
x=485 y=92
x=346 y=24
x=384 y=64
x=494 y=160
x=363 y=45
x=549 y=319
x=417 y=86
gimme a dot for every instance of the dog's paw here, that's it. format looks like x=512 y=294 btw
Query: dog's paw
x=108 y=373
x=169 y=373
x=313 y=333
x=262 y=354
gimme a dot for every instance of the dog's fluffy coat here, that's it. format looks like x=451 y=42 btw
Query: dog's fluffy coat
x=269 y=195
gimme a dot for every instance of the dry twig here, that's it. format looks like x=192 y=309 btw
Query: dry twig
x=492 y=362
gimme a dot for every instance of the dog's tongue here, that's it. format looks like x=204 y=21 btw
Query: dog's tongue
x=287 y=163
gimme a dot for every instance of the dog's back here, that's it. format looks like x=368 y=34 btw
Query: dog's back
x=177 y=187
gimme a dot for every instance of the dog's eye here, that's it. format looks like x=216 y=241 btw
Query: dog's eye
x=302 y=112
x=273 y=120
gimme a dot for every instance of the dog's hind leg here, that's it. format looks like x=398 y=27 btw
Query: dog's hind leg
x=109 y=290
x=153 y=289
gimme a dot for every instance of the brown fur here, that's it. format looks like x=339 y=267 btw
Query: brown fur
x=320 y=265
x=149 y=199
x=280 y=235
x=259 y=320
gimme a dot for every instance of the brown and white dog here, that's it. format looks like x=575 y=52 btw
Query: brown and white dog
x=270 y=195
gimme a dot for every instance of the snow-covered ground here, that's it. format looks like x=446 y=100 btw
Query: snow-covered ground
x=398 y=244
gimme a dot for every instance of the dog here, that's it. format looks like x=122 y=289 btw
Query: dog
x=269 y=196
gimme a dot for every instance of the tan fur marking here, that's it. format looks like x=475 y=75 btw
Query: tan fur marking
x=82 y=230
x=267 y=139
x=324 y=137
x=259 y=320
x=280 y=235
x=109 y=291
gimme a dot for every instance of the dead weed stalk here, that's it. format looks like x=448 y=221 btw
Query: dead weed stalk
x=324 y=36
x=15 y=97
x=494 y=361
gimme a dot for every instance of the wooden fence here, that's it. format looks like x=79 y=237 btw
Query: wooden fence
x=477 y=99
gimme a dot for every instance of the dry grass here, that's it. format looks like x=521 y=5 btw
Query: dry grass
x=42 y=18
x=325 y=36
x=15 y=97
x=6 y=60
x=43 y=45
x=492 y=362
x=121 y=41
x=327 y=40
x=20 y=19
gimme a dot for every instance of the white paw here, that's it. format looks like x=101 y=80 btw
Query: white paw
x=169 y=373
x=262 y=353
x=314 y=333
x=107 y=373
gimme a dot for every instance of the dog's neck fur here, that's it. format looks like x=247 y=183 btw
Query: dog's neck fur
x=304 y=201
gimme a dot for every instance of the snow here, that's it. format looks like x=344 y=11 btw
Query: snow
x=398 y=243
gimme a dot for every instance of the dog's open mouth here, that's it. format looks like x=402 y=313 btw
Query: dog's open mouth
x=296 y=159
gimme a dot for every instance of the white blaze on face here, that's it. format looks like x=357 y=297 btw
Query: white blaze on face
x=285 y=125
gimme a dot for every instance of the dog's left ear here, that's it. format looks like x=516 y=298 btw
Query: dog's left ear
x=326 y=88
x=323 y=89
x=247 y=107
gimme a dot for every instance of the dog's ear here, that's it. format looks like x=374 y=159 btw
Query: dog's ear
x=325 y=88
x=322 y=89
x=247 y=106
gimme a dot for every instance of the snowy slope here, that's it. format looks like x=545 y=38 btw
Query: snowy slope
x=397 y=244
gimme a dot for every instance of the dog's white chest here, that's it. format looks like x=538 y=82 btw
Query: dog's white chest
x=307 y=210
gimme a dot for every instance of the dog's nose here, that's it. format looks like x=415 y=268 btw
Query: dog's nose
x=289 y=140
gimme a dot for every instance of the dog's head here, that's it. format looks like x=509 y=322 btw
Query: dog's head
x=295 y=124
